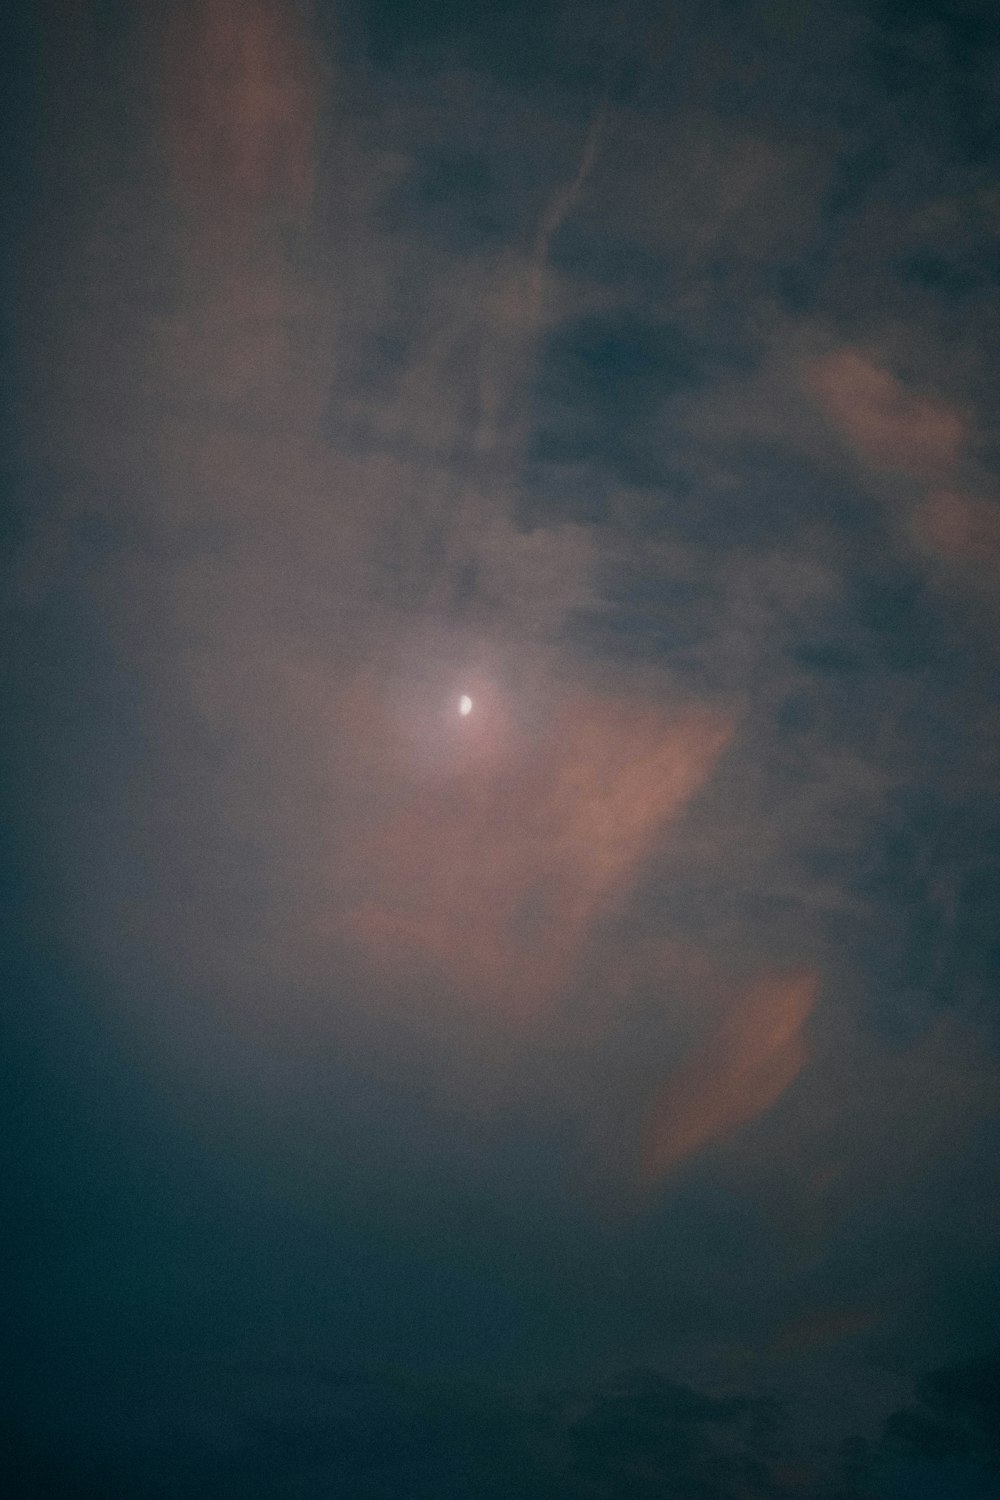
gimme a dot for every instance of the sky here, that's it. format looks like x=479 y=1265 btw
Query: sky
x=595 y=1094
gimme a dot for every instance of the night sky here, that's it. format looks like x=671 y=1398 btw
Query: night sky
x=596 y=1095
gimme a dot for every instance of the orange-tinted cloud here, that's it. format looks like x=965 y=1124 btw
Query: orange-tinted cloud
x=492 y=874
x=959 y=529
x=887 y=425
x=896 y=430
x=743 y=1069
x=241 y=104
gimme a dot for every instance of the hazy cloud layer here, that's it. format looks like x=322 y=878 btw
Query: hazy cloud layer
x=633 y=372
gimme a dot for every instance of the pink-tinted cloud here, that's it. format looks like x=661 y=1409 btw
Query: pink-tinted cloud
x=241 y=104
x=738 y=1074
x=959 y=529
x=888 y=425
x=491 y=876
x=924 y=439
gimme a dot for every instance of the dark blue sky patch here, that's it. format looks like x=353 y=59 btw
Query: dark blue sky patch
x=598 y=255
x=756 y=493
x=933 y=273
x=602 y=382
x=966 y=26
x=944 y=56
x=659 y=615
x=900 y=633
x=512 y=43
x=931 y=881
x=873 y=634
x=452 y=198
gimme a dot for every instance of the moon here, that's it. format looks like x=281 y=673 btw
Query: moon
x=465 y=705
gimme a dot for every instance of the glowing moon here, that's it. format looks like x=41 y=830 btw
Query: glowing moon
x=465 y=704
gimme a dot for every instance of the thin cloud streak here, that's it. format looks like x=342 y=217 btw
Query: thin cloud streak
x=241 y=101
x=736 y=1075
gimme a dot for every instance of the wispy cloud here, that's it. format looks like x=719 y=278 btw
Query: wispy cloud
x=494 y=871
x=888 y=425
x=735 y=1075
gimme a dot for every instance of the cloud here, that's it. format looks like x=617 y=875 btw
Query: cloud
x=642 y=1433
x=493 y=875
x=897 y=431
x=886 y=424
x=241 y=103
x=953 y=1431
x=325 y=545
x=556 y=214
x=368 y=1433
x=738 y=1074
x=959 y=529
x=312 y=469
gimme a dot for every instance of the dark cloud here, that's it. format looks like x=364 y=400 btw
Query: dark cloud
x=921 y=1435
x=346 y=1433
x=954 y=1431
x=969 y=1392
